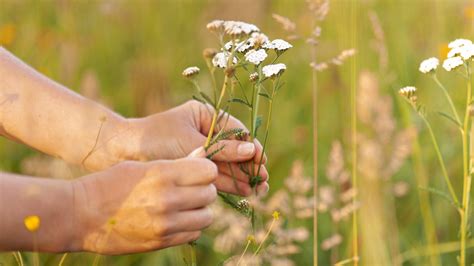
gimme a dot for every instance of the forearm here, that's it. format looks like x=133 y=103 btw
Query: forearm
x=49 y=117
x=53 y=201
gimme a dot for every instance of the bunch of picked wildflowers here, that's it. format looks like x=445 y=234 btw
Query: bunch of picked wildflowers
x=244 y=70
x=246 y=59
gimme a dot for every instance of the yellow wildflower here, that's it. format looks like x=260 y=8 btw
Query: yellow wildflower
x=276 y=215
x=32 y=223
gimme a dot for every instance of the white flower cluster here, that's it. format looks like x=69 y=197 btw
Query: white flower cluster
x=256 y=56
x=221 y=59
x=429 y=65
x=273 y=70
x=191 y=71
x=461 y=51
x=232 y=27
x=253 y=47
x=407 y=92
x=278 y=45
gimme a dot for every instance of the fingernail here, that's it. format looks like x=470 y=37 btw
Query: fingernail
x=198 y=153
x=246 y=149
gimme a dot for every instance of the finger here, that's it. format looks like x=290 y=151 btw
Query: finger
x=198 y=153
x=259 y=152
x=231 y=185
x=177 y=239
x=262 y=188
x=195 y=197
x=184 y=221
x=232 y=151
x=186 y=171
x=242 y=171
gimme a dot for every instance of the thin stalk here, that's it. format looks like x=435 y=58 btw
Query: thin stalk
x=63 y=258
x=267 y=126
x=440 y=248
x=193 y=255
x=264 y=238
x=314 y=87
x=440 y=160
x=355 y=233
x=315 y=166
x=448 y=97
x=245 y=251
x=347 y=261
x=216 y=112
x=464 y=213
x=16 y=258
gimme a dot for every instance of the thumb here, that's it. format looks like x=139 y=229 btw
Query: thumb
x=198 y=153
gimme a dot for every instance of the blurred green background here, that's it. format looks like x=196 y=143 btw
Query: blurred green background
x=129 y=55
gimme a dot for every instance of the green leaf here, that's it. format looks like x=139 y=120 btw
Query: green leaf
x=450 y=118
x=241 y=101
x=209 y=156
x=263 y=94
x=199 y=99
x=440 y=193
x=222 y=115
x=232 y=202
x=279 y=86
x=207 y=98
x=226 y=135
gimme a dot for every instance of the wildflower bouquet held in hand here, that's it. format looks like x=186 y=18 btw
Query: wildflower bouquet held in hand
x=459 y=60
x=244 y=71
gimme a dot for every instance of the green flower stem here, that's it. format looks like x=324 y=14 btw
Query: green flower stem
x=464 y=213
x=448 y=97
x=440 y=159
x=216 y=112
x=193 y=255
x=267 y=126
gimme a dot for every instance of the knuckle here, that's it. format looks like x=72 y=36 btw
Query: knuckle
x=165 y=203
x=162 y=227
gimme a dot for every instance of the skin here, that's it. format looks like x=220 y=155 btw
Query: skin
x=152 y=184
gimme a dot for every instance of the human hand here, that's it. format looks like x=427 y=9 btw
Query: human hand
x=142 y=206
x=176 y=132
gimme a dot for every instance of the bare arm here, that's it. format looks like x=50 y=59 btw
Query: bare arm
x=49 y=117
x=51 y=200
x=130 y=207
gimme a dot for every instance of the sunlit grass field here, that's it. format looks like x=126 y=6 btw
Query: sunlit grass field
x=129 y=55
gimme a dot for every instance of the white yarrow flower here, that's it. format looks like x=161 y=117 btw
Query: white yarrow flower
x=452 y=63
x=256 y=56
x=215 y=25
x=277 y=44
x=191 y=71
x=409 y=93
x=273 y=70
x=429 y=65
x=239 y=27
x=281 y=45
x=467 y=51
x=220 y=59
x=459 y=43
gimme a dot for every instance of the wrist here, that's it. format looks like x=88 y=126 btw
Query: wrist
x=79 y=216
x=117 y=141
